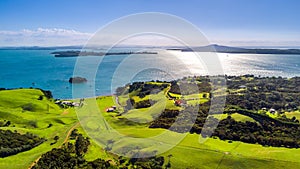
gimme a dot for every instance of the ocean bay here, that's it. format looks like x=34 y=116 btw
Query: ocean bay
x=40 y=69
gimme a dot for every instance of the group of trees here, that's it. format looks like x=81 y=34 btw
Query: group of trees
x=71 y=156
x=47 y=93
x=268 y=132
x=248 y=91
x=63 y=158
x=130 y=104
x=144 y=103
x=247 y=94
x=188 y=120
x=143 y=88
x=186 y=88
x=278 y=93
x=12 y=143
x=146 y=163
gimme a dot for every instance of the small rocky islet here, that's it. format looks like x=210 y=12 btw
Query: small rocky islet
x=77 y=80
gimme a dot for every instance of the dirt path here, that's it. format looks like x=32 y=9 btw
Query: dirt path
x=65 y=112
x=69 y=133
x=65 y=140
x=117 y=100
x=35 y=161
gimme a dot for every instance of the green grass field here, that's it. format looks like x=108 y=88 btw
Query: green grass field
x=292 y=114
x=192 y=99
x=188 y=153
x=240 y=117
x=144 y=115
x=213 y=153
x=36 y=121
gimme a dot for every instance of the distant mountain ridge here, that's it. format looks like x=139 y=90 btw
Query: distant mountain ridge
x=228 y=49
x=209 y=48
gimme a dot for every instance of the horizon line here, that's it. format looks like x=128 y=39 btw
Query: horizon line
x=148 y=46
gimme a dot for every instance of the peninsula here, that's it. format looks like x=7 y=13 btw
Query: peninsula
x=76 y=53
x=229 y=49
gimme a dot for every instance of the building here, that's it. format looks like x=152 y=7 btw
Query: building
x=242 y=87
x=110 y=109
x=272 y=111
x=180 y=102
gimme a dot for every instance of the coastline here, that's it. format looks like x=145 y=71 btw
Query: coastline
x=103 y=95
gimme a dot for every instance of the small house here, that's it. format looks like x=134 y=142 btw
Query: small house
x=69 y=103
x=110 y=109
x=57 y=102
x=76 y=104
x=242 y=87
x=272 y=111
x=180 y=102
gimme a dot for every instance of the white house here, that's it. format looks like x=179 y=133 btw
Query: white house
x=110 y=109
x=272 y=111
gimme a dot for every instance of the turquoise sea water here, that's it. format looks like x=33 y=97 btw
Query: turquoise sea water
x=40 y=69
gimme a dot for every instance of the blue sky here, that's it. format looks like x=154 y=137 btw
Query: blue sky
x=229 y=22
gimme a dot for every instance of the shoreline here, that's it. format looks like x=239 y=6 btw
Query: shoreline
x=103 y=95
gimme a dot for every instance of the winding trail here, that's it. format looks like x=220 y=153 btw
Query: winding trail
x=65 y=140
x=117 y=100
x=69 y=133
x=65 y=112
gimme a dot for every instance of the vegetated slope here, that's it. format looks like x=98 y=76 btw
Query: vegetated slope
x=214 y=153
x=26 y=108
x=13 y=143
x=258 y=93
x=34 y=120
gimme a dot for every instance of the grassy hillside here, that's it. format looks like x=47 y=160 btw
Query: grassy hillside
x=213 y=153
x=41 y=117
x=189 y=153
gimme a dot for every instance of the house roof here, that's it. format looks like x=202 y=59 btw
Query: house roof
x=110 y=109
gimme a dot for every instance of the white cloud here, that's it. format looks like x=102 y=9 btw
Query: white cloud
x=43 y=37
x=66 y=37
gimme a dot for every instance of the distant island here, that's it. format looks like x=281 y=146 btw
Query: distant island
x=91 y=53
x=228 y=49
x=74 y=51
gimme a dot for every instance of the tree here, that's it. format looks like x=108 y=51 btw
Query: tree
x=81 y=145
x=169 y=161
x=56 y=138
x=7 y=123
x=40 y=98
x=28 y=107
